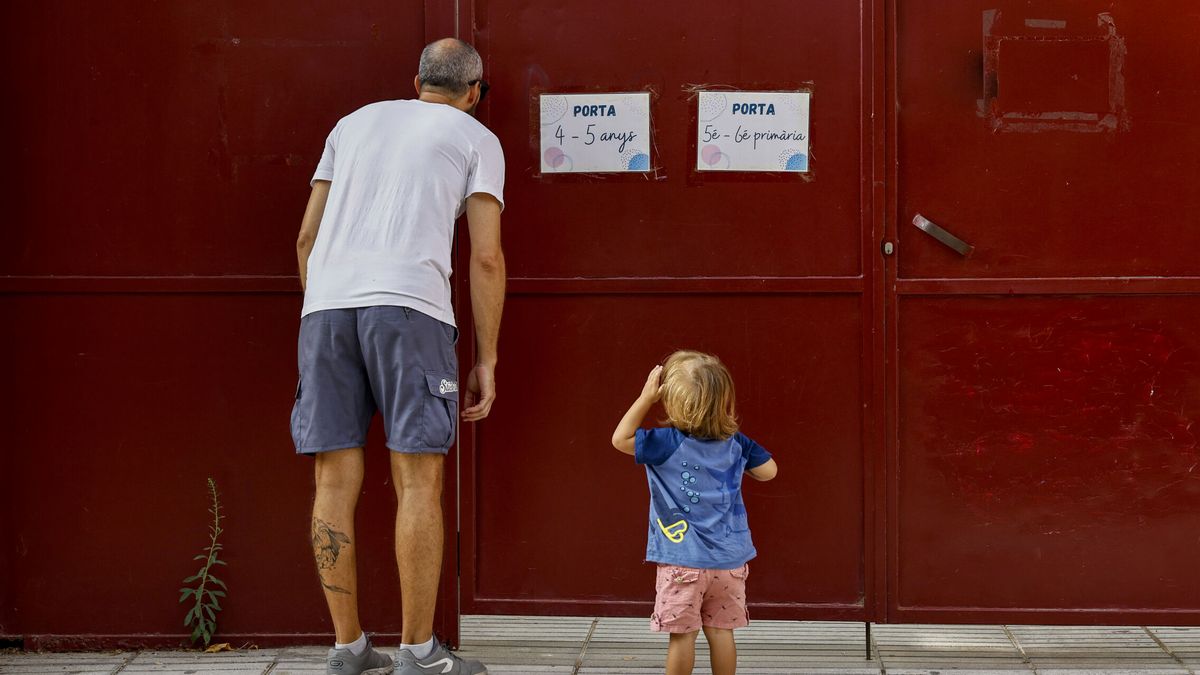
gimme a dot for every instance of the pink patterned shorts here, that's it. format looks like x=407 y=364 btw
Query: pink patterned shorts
x=689 y=598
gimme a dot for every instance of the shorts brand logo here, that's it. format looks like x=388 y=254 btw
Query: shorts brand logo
x=447 y=387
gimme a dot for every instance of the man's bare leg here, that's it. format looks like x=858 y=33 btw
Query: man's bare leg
x=722 y=650
x=339 y=477
x=419 y=539
x=681 y=653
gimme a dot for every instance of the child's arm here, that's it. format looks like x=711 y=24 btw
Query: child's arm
x=765 y=471
x=626 y=431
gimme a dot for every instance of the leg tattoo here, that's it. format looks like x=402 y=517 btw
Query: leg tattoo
x=327 y=545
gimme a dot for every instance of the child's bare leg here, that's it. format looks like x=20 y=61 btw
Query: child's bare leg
x=722 y=650
x=681 y=654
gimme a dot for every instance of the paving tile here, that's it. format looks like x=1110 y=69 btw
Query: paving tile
x=961 y=649
x=79 y=663
x=954 y=671
x=1138 y=670
x=626 y=645
x=228 y=663
x=1083 y=649
x=505 y=643
x=1183 y=642
x=300 y=660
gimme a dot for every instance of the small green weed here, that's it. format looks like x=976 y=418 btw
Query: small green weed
x=202 y=617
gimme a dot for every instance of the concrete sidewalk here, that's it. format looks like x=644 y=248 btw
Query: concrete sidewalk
x=590 y=646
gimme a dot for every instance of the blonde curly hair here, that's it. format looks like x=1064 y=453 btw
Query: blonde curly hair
x=697 y=394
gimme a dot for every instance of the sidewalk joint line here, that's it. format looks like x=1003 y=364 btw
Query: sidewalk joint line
x=1017 y=645
x=274 y=662
x=1162 y=645
x=583 y=649
x=878 y=654
x=121 y=666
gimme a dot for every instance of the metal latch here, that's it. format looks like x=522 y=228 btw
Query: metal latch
x=930 y=228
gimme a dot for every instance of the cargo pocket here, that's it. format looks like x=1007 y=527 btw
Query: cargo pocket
x=741 y=572
x=439 y=419
x=682 y=575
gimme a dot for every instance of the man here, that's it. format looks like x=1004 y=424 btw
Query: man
x=377 y=333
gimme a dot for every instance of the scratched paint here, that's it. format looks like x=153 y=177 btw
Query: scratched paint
x=1055 y=45
x=1048 y=409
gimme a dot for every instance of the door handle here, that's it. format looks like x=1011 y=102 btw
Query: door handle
x=930 y=228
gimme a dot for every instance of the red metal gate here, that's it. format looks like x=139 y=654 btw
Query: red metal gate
x=610 y=274
x=159 y=169
x=1034 y=459
x=1042 y=460
x=1001 y=437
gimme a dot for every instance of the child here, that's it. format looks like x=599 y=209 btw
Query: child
x=698 y=531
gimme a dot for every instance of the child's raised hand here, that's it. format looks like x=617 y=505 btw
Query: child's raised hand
x=652 y=391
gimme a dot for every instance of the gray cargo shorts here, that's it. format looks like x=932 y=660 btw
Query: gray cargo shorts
x=392 y=359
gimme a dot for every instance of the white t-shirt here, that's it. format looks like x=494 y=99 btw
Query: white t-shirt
x=401 y=172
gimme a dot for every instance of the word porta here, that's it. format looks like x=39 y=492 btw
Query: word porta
x=594 y=111
x=753 y=109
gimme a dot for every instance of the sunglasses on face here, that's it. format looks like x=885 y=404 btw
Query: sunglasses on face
x=483 y=87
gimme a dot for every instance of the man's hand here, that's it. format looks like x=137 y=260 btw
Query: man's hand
x=481 y=391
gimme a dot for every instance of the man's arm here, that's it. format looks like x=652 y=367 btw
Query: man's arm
x=309 y=227
x=624 y=437
x=487 y=301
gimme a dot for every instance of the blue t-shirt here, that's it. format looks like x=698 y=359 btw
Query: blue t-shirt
x=697 y=516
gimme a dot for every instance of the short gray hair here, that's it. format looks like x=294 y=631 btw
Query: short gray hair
x=449 y=64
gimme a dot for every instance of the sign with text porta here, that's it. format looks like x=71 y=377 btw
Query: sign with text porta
x=595 y=133
x=753 y=131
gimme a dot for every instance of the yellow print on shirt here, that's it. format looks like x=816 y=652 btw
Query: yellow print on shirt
x=674 y=531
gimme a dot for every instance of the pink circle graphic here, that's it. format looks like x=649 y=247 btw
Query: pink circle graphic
x=554 y=157
x=711 y=155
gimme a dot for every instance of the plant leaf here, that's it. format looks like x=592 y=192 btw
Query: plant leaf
x=214 y=604
x=218 y=562
x=187 y=620
x=191 y=578
x=201 y=557
x=219 y=594
x=211 y=613
x=218 y=582
x=185 y=592
x=207 y=637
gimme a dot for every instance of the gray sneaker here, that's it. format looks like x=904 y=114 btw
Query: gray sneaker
x=370 y=662
x=441 y=661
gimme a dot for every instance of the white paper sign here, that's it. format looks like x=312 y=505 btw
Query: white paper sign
x=595 y=133
x=753 y=131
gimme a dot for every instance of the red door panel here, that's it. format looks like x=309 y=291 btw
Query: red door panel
x=1048 y=455
x=178 y=139
x=610 y=274
x=1041 y=462
x=127 y=404
x=159 y=173
x=561 y=515
x=1048 y=197
x=744 y=226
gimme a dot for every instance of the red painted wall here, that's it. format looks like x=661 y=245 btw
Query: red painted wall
x=159 y=160
x=162 y=158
